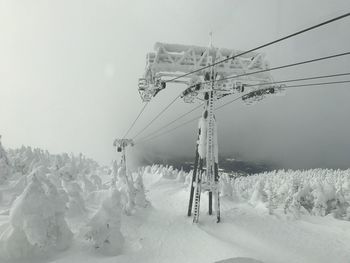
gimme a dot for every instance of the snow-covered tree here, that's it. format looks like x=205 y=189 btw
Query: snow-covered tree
x=259 y=195
x=181 y=176
x=271 y=197
x=292 y=197
x=37 y=222
x=226 y=187
x=104 y=226
x=76 y=203
x=341 y=206
x=96 y=180
x=126 y=187
x=140 y=196
x=320 y=204
x=5 y=169
x=188 y=178
x=114 y=174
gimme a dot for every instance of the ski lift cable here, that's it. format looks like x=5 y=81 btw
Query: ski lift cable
x=293 y=86
x=300 y=79
x=138 y=116
x=262 y=84
x=157 y=116
x=173 y=121
x=282 y=67
x=264 y=45
x=229 y=102
x=250 y=73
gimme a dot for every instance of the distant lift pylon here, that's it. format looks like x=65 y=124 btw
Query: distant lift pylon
x=168 y=64
x=121 y=145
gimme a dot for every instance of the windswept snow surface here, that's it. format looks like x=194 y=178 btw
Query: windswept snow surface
x=162 y=232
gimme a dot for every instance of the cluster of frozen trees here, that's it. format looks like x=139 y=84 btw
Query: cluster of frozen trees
x=42 y=191
x=25 y=159
x=125 y=197
x=168 y=172
x=45 y=195
x=316 y=192
x=63 y=170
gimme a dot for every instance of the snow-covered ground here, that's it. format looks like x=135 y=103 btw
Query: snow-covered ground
x=161 y=231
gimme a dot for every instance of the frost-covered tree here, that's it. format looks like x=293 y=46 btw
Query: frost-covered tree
x=181 y=176
x=114 y=174
x=104 y=226
x=87 y=185
x=76 y=203
x=37 y=222
x=341 y=206
x=140 y=196
x=126 y=187
x=5 y=168
x=96 y=180
x=320 y=202
x=271 y=197
x=225 y=185
x=292 y=196
x=259 y=195
x=188 y=178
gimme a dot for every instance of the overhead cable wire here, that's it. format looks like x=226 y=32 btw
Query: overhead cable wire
x=157 y=116
x=138 y=116
x=300 y=79
x=252 y=50
x=264 y=45
x=227 y=103
x=281 y=67
x=254 y=85
x=173 y=121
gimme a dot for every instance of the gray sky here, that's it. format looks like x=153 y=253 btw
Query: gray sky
x=69 y=72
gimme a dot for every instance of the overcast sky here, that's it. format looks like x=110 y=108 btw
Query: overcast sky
x=69 y=72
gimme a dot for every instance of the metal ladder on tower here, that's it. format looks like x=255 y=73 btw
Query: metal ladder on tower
x=197 y=197
x=212 y=166
x=210 y=142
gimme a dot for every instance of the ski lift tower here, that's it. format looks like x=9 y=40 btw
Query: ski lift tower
x=120 y=145
x=174 y=63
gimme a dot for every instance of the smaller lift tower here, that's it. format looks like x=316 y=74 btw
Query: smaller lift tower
x=121 y=145
x=207 y=79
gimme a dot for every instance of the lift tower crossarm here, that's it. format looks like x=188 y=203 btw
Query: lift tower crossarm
x=170 y=61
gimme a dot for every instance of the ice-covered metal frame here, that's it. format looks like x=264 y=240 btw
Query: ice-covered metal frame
x=170 y=61
x=122 y=143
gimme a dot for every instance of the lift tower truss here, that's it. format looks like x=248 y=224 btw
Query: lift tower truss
x=173 y=63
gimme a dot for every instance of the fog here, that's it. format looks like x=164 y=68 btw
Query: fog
x=69 y=71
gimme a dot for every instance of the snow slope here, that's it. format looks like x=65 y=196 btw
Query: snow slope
x=162 y=233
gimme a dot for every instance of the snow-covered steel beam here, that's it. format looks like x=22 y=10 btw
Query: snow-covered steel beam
x=170 y=61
